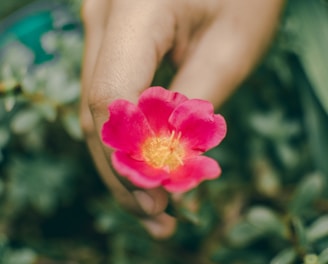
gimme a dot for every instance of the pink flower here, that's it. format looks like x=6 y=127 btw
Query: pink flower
x=159 y=141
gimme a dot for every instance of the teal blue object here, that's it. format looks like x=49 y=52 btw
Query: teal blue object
x=29 y=30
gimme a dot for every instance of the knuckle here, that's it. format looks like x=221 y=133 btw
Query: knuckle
x=97 y=102
x=101 y=94
x=87 y=10
x=87 y=124
x=91 y=10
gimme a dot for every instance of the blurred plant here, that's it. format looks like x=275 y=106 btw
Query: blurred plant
x=269 y=206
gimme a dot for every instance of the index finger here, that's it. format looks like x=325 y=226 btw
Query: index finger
x=135 y=41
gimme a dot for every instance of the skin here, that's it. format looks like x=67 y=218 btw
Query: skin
x=214 y=43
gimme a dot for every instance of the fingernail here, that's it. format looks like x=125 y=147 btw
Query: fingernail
x=145 y=201
x=160 y=227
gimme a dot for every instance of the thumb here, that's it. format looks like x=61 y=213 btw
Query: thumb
x=228 y=50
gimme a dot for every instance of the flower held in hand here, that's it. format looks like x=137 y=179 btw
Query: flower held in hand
x=159 y=141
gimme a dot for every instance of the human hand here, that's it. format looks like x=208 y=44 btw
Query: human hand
x=214 y=43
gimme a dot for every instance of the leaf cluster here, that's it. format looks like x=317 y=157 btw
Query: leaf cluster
x=269 y=206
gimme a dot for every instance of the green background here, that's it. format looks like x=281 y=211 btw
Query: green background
x=269 y=206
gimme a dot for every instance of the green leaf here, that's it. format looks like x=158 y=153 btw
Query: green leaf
x=273 y=125
x=9 y=102
x=308 y=190
x=41 y=182
x=17 y=58
x=244 y=233
x=22 y=256
x=316 y=124
x=267 y=178
x=49 y=42
x=25 y=120
x=311 y=259
x=266 y=220
x=299 y=232
x=311 y=20
x=318 y=229
x=4 y=137
x=47 y=110
x=59 y=88
x=323 y=257
x=286 y=256
x=72 y=125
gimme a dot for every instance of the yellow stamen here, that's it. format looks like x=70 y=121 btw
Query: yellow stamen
x=163 y=151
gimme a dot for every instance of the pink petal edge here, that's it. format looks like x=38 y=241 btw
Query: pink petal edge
x=157 y=104
x=194 y=171
x=126 y=128
x=138 y=172
x=200 y=127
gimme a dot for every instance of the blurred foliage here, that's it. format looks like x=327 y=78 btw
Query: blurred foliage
x=269 y=206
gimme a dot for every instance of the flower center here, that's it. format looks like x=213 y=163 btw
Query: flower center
x=164 y=152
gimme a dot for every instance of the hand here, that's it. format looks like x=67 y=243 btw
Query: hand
x=214 y=43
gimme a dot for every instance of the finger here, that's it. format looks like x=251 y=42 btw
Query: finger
x=94 y=15
x=95 y=18
x=123 y=71
x=129 y=55
x=135 y=41
x=227 y=52
x=160 y=227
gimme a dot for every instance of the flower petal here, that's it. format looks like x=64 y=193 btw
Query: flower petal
x=127 y=127
x=199 y=126
x=157 y=104
x=194 y=171
x=138 y=172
